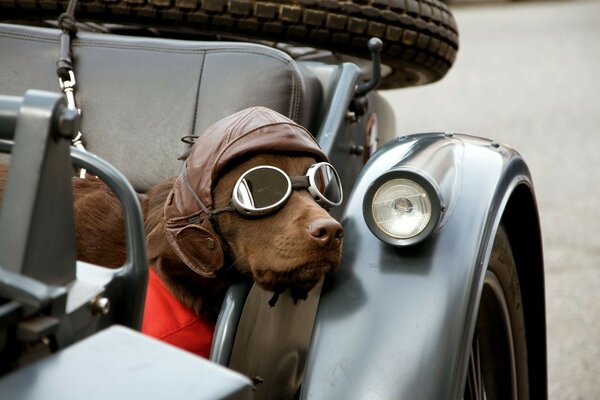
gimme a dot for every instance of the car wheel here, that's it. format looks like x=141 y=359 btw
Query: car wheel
x=498 y=366
x=420 y=36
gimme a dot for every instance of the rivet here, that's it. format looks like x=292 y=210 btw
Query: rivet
x=351 y=116
x=495 y=144
x=209 y=243
x=101 y=306
x=449 y=134
x=357 y=150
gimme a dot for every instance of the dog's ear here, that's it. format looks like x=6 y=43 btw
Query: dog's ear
x=199 y=248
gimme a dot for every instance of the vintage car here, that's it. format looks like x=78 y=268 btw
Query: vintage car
x=440 y=294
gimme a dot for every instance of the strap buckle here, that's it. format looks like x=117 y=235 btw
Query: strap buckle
x=68 y=88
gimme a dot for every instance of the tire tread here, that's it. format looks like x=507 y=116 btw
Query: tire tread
x=414 y=31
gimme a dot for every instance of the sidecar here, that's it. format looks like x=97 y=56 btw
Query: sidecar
x=440 y=294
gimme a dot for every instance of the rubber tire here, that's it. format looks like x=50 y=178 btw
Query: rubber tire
x=420 y=36
x=501 y=286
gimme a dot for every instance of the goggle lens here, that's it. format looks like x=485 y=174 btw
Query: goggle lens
x=261 y=187
x=327 y=183
x=264 y=189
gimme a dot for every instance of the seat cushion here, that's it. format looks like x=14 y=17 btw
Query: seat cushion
x=139 y=96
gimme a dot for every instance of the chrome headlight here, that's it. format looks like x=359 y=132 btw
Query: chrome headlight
x=402 y=207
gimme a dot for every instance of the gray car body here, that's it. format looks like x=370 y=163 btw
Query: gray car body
x=398 y=322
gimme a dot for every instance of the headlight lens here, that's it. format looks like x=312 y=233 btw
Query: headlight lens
x=402 y=207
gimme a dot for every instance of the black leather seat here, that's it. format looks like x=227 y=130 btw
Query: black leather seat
x=139 y=96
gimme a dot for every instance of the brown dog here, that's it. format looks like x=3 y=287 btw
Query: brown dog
x=292 y=248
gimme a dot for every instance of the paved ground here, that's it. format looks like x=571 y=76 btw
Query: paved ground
x=528 y=74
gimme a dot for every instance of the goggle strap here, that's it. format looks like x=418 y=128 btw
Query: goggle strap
x=224 y=209
x=187 y=183
x=299 y=181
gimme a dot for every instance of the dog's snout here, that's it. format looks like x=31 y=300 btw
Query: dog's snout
x=326 y=232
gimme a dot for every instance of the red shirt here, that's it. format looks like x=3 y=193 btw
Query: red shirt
x=165 y=318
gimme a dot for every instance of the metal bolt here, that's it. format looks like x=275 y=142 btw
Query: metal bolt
x=495 y=145
x=101 y=306
x=449 y=134
x=351 y=116
x=357 y=150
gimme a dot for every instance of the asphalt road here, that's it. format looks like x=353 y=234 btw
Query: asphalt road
x=528 y=75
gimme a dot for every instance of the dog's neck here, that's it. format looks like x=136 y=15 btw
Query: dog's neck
x=202 y=295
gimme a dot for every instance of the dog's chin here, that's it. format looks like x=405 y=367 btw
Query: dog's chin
x=299 y=280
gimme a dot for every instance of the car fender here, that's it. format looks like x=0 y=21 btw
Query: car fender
x=398 y=322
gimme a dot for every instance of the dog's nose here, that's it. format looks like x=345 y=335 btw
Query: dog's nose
x=326 y=232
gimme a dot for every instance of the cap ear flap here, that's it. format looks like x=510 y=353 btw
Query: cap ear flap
x=199 y=248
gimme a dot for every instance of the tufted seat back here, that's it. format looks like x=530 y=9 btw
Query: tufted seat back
x=139 y=96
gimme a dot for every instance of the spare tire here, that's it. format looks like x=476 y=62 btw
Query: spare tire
x=420 y=36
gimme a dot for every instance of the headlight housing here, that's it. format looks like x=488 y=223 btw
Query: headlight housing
x=402 y=207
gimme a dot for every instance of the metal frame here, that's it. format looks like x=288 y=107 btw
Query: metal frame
x=37 y=238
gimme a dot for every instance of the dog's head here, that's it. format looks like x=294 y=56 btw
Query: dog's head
x=294 y=246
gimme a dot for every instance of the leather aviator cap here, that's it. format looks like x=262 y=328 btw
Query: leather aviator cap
x=188 y=226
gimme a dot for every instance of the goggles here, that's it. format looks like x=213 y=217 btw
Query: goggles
x=264 y=189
